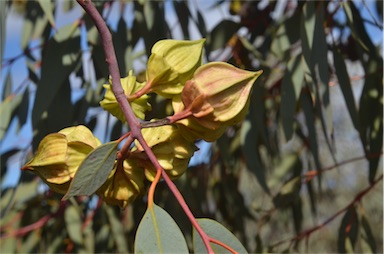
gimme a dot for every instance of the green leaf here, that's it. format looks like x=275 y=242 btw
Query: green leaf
x=73 y=224
x=183 y=14
x=348 y=231
x=159 y=233
x=217 y=231
x=117 y=229
x=7 y=107
x=345 y=85
x=292 y=84
x=7 y=90
x=47 y=7
x=93 y=171
x=221 y=34
x=58 y=61
x=288 y=194
x=367 y=235
x=27 y=33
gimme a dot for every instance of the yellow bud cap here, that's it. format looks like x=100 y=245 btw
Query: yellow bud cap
x=123 y=185
x=171 y=64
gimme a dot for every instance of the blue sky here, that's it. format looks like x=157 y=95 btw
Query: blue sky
x=21 y=139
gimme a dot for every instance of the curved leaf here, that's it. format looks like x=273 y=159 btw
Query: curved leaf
x=159 y=233
x=217 y=231
x=93 y=171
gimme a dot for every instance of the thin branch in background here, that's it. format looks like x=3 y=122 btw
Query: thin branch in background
x=374 y=22
x=308 y=232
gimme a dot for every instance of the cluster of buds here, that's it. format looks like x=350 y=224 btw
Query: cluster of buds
x=205 y=99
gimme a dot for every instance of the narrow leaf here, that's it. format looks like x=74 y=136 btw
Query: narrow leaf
x=73 y=224
x=117 y=229
x=93 y=171
x=293 y=82
x=7 y=107
x=159 y=233
x=46 y=5
x=217 y=231
x=367 y=234
x=348 y=230
x=345 y=85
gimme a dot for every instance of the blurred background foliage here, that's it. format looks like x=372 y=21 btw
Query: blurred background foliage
x=302 y=173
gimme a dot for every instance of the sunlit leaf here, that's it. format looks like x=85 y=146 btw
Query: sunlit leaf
x=7 y=107
x=47 y=7
x=7 y=90
x=217 y=231
x=93 y=171
x=159 y=233
x=288 y=194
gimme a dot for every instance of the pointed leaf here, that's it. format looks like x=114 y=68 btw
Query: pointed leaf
x=293 y=82
x=7 y=107
x=58 y=61
x=93 y=171
x=217 y=231
x=345 y=85
x=159 y=233
x=348 y=231
x=367 y=235
x=73 y=224
x=47 y=7
x=117 y=229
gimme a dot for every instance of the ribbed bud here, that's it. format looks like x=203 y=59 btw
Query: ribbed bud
x=130 y=86
x=123 y=185
x=171 y=64
x=171 y=149
x=60 y=154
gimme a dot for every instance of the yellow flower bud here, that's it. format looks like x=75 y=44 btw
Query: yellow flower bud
x=130 y=86
x=171 y=149
x=219 y=93
x=60 y=154
x=123 y=185
x=171 y=64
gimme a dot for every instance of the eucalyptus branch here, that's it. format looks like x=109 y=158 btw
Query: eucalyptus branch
x=132 y=121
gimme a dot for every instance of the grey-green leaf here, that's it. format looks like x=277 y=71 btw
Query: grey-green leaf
x=93 y=171
x=217 y=231
x=159 y=233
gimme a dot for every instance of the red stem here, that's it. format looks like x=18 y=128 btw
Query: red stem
x=307 y=232
x=132 y=121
